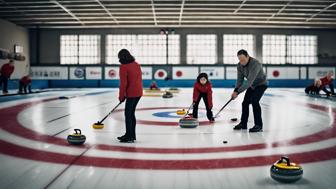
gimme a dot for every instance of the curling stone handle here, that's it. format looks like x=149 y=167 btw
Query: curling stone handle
x=286 y=159
x=78 y=131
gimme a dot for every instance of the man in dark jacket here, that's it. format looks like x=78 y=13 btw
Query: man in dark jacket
x=252 y=70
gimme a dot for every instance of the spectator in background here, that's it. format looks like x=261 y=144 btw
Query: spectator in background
x=24 y=83
x=153 y=86
x=5 y=73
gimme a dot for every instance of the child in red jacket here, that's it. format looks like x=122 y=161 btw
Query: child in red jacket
x=24 y=83
x=130 y=89
x=5 y=73
x=203 y=89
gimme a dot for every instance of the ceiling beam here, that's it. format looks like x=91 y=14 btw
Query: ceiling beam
x=316 y=14
x=240 y=6
x=68 y=11
x=280 y=10
x=153 y=10
x=107 y=11
x=181 y=11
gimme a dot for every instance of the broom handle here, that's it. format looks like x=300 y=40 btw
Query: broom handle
x=223 y=107
x=110 y=112
x=192 y=104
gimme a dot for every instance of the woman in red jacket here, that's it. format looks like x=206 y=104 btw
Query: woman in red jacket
x=328 y=81
x=5 y=73
x=130 y=89
x=203 y=89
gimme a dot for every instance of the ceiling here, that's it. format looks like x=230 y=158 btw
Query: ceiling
x=168 y=13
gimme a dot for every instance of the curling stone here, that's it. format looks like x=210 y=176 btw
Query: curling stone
x=98 y=125
x=188 y=122
x=181 y=112
x=285 y=171
x=167 y=94
x=76 y=138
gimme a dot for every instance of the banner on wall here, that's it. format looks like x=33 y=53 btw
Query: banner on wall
x=111 y=73
x=185 y=72
x=231 y=72
x=57 y=73
x=77 y=73
x=303 y=73
x=146 y=72
x=283 y=73
x=213 y=72
x=318 y=72
x=160 y=74
x=93 y=73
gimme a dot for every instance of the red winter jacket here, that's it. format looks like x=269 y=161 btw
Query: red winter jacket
x=7 y=70
x=199 y=88
x=25 y=80
x=325 y=81
x=130 y=80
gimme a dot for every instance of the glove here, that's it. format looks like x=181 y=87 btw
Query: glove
x=122 y=99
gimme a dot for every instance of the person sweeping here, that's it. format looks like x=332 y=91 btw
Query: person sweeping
x=252 y=70
x=130 y=89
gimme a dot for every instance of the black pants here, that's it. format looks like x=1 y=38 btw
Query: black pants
x=24 y=87
x=253 y=97
x=331 y=86
x=130 y=119
x=4 y=81
x=208 y=109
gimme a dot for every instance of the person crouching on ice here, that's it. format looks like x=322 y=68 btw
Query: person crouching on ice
x=203 y=89
x=314 y=88
x=153 y=86
x=24 y=83
x=328 y=81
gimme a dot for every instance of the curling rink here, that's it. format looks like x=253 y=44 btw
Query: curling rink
x=34 y=152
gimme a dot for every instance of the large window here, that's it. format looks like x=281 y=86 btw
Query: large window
x=69 y=49
x=293 y=49
x=114 y=43
x=89 y=49
x=302 y=49
x=202 y=49
x=233 y=43
x=80 y=49
x=147 y=49
x=274 y=49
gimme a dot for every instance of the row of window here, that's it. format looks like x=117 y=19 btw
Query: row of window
x=201 y=48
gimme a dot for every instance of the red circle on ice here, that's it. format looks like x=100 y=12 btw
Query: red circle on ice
x=11 y=124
